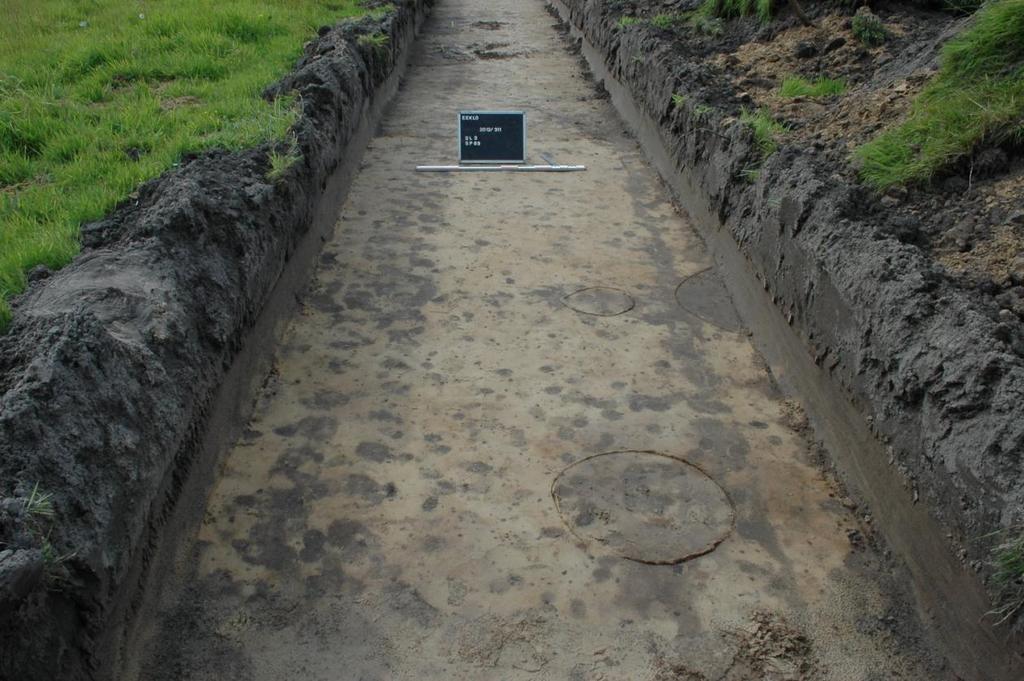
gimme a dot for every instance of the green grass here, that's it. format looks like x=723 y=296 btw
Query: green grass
x=708 y=25
x=958 y=6
x=1008 y=576
x=976 y=98
x=39 y=504
x=281 y=162
x=766 y=130
x=667 y=21
x=701 y=19
x=678 y=100
x=869 y=30
x=98 y=96
x=731 y=9
x=39 y=516
x=795 y=86
x=376 y=41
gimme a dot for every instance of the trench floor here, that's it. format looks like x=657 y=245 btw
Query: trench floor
x=517 y=431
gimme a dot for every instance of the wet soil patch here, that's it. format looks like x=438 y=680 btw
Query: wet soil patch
x=453 y=53
x=645 y=506
x=493 y=50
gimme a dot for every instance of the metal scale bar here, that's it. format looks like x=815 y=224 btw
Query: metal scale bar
x=551 y=167
x=492 y=169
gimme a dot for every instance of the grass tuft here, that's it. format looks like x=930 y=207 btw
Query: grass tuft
x=766 y=130
x=381 y=11
x=281 y=162
x=39 y=515
x=869 y=30
x=678 y=100
x=669 y=21
x=377 y=42
x=702 y=19
x=732 y=9
x=960 y=6
x=702 y=110
x=38 y=504
x=976 y=98
x=709 y=25
x=97 y=97
x=795 y=86
x=1008 y=576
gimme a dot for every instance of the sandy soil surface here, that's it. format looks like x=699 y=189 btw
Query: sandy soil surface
x=421 y=492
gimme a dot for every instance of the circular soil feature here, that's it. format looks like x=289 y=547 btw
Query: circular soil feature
x=704 y=295
x=644 y=506
x=602 y=301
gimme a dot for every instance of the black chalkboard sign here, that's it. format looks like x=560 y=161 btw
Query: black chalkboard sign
x=492 y=137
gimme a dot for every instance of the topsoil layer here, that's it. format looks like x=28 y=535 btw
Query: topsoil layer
x=108 y=373
x=912 y=300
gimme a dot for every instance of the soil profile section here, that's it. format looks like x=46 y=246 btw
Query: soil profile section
x=497 y=445
x=125 y=373
x=852 y=324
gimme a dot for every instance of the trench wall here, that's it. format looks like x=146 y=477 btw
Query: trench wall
x=125 y=373
x=913 y=386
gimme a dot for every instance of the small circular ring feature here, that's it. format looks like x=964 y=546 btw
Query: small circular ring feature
x=645 y=506
x=705 y=296
x=599 y=301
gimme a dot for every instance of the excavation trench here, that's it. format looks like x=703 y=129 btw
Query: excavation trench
x=516 y=431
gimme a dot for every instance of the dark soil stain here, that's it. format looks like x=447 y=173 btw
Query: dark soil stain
x=312 y=546
x=641 y=402
x=368 y=489
x=312 y=427
x=351 y=536
x=325 y=400
x=374 y=451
